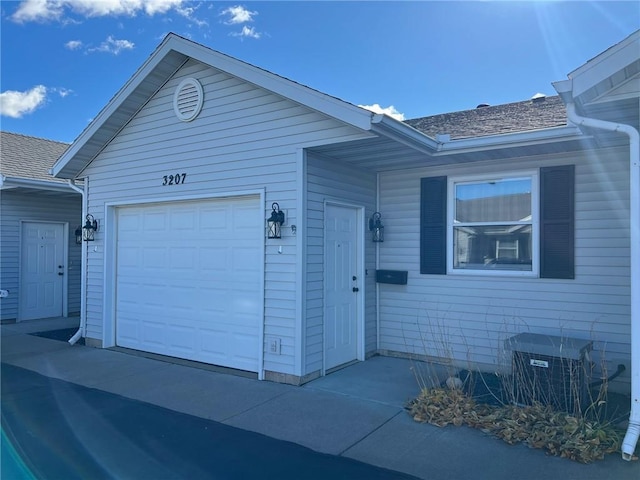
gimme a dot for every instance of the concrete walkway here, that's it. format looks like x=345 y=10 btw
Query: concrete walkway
x=357 y=412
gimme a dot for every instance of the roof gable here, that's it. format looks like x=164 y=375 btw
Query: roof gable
x=610 y=69
x=608 y=85
x=164 y=62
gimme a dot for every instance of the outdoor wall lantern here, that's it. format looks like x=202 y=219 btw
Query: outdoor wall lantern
x=376 y=228
x=89 y=229
x=275 y=221
x=79 y=235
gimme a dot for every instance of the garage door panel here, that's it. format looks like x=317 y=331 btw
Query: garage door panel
x=154 y=258
x=128 y=329
x=214 y=259
x=153 y=334
x=182 y=258
x=183 y=219
x=192 y=289
x=181 y=339
x=245 y=259
x=183 y=299
x=153 y=220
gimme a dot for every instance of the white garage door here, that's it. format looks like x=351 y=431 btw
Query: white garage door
x=189 y=278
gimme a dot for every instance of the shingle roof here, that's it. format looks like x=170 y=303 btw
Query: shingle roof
x=29 y=157
x=544 y=112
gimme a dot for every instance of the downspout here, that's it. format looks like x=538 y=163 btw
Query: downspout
x=375 y=274
x=633 y=430
x=83 y=269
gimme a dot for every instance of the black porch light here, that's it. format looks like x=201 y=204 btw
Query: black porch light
x=78 y=235
x=275 y=221
x=90 y=227
x=376 y=228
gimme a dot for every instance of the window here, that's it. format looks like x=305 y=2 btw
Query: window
x=513 y=225
x=493 y=223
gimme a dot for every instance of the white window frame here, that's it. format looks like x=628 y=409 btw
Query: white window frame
x=535 y=223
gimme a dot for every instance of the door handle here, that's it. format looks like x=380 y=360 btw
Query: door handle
x=60 y=273
x=356 y=289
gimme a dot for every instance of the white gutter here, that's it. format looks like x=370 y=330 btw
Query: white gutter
x=83 y=268
x=633 y=431
x=14 y=182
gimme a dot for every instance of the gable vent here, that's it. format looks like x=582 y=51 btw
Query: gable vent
x=188 y=99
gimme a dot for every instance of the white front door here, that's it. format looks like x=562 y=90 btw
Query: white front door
x=42 y=270
x=342 y=285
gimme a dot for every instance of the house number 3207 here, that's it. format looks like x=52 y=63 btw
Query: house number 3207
x=176 y=179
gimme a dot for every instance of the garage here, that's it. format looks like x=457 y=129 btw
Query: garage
x=189 y=279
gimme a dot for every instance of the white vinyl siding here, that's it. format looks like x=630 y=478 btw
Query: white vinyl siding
x=43 y=207
x=245 y=139
x=469 y=317
x=334 y=180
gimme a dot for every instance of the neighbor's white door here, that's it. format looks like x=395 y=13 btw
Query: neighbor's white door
x=189 y=280
x=42 y=270
x=342 y=285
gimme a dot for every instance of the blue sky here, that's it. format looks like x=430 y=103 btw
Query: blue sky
x=63 y=60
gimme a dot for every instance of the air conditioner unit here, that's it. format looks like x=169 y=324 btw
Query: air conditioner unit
x=550 y=370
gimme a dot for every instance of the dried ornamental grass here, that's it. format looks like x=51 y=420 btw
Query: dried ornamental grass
x=538 y=426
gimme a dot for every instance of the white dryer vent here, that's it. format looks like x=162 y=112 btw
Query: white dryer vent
x=188 y=99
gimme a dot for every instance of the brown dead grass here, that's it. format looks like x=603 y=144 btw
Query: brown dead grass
x=538 y=426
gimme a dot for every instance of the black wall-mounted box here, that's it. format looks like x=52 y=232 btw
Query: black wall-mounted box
x=396 y=277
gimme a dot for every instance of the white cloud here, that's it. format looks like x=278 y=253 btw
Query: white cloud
x=238 y=14
x=73 y=45
x=15 y=104
x=246 y=32
x=112 y=45
x=189 y=14
x=37 y=11
x=63 y=92
x=53 y=10
x=390 y=110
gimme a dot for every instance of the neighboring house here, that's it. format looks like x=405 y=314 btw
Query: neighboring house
x=39 y=260
x=186 y=161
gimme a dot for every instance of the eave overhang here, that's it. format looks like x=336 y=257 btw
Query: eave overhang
x=399 y=146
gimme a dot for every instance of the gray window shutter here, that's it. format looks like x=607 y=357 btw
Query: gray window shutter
x=433 y=225
x=557 y=206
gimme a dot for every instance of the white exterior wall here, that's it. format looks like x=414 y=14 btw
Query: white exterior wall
x=331 y=180
x=468 y=317
x=17 y=207
x=245 y=139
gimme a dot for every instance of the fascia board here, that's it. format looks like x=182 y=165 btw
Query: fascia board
x=606 y=64
x=509 y=140
x=321 y=102
x=16 y=182
x=401 y=132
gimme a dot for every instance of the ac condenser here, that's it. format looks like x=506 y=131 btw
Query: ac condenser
x=551 y=370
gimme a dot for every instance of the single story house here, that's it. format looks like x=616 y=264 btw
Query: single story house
x=239 y=219
x=40 y=262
